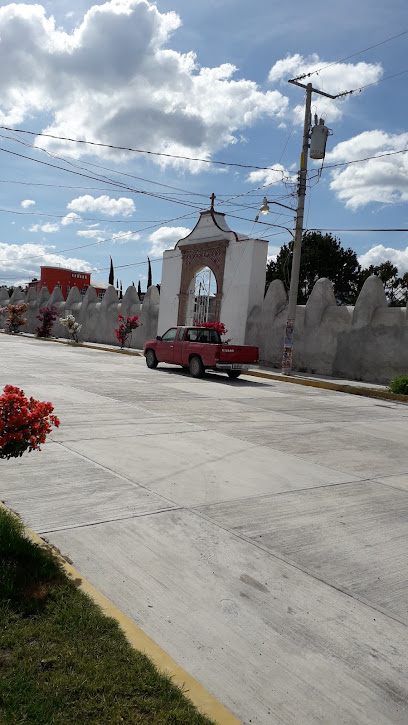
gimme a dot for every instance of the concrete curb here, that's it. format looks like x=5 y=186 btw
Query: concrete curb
x=326 y=385
x=128 y=351
x=206 y=703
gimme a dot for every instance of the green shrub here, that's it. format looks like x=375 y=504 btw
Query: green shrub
x=399 y=385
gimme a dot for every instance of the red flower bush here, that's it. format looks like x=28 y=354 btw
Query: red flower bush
x=219 y=326
x=47 y=317
x=125 y=329
x=24 y=424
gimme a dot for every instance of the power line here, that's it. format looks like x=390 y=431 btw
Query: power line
x=367 y=158
x=119 y=236
x=330 y=229
x=160 y=259
x=139 y=151
x=58 y=186
x=102 y=241
x=70 y=160
x=118 y=184
x=123 y=266
x=103 y=178
x=374 y=83
x=359 y=52
x=98 y=188
x=81 y=218
x=95 y=178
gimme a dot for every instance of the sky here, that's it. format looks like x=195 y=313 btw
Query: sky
x=195 y=83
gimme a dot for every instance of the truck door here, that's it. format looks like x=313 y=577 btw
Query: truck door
x=165 y=346
x=178 y=346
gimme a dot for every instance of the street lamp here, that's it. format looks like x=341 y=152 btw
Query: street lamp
x=264 y=209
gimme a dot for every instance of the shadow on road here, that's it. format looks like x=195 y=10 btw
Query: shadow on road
x=214 y=377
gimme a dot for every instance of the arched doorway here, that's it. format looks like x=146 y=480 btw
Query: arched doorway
x=208 y=255
x=202 y=296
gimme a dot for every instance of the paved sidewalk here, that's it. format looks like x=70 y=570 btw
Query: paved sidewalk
x=256 y=530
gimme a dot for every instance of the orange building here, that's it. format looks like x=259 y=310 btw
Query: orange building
x=65 y=279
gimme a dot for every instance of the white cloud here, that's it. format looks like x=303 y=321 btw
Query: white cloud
x=147 y=91
x=125 y=237
x=103 y=205
x=335 y=79
x=383 y=180
x=27 y=202
x=378 y=254
x=273 y=252
x=70 y=218
x=91 y=234
x=273 y=175
x=24 y=261
x=122 y=237
x=166 y=238
x=46 y=228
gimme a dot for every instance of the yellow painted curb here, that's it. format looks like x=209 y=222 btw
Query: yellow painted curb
x=326 y=385
x=203 y=700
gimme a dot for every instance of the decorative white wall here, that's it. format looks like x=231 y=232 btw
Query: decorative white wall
x=367 y=342
x=98 y=318
x=169 y=289
x=244 y=284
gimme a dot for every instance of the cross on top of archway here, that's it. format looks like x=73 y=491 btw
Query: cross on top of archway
x=213 y=198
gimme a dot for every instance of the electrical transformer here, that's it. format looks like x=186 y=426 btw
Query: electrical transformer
x=318 y=139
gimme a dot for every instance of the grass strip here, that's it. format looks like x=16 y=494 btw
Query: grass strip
x=61 y=660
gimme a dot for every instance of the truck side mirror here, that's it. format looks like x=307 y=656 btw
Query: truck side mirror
x=158 y=337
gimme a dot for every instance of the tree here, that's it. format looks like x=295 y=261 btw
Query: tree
x=139 y=290
x=322 y=256
x=149 y=273
x=396 y=288
x=11 y=289
x=111 y=273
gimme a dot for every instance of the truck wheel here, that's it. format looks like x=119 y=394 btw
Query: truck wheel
x=196 y=367
x=151 y=359
x=233 y=374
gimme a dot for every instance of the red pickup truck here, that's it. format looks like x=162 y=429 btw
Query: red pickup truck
x=199 y=349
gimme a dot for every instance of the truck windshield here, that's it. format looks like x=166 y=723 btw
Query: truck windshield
x=201 y=334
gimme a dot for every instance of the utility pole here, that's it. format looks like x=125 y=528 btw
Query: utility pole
x=297 y=242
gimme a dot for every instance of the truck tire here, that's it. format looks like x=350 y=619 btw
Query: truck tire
x=233 y=374
x=196 y=367
x=151 y=359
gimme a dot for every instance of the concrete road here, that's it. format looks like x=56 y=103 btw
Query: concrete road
x=256 y=530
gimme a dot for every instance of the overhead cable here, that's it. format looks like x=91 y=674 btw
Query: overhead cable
x=139 y=151
x=359 y=52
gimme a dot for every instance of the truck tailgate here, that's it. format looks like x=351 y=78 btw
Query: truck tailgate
x=238 y=354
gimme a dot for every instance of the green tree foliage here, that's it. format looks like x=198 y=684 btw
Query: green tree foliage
x=111 y=272
x=139 y=290
x=149 y=274
x=396 y=288
x=11 y=289
x=322 y=256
